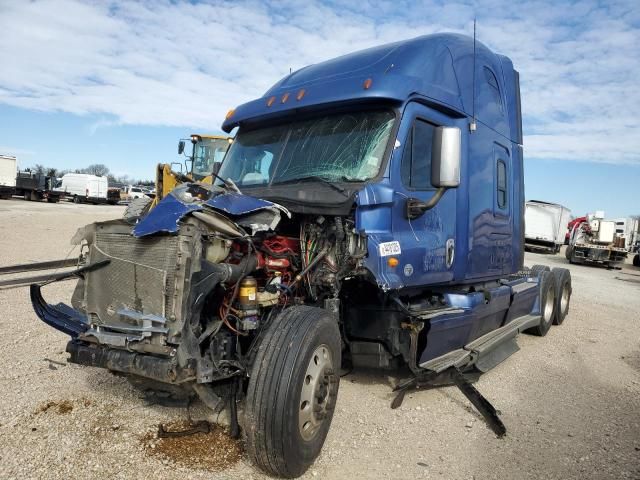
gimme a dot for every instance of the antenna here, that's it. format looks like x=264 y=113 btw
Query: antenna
x=472 y=125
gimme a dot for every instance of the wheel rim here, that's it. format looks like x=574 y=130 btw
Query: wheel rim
x=316 y=392
x=564 y=299
x=548 y=306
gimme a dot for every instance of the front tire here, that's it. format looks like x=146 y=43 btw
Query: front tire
x=292 y=391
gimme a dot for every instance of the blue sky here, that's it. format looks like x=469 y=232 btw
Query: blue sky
x=120 y=83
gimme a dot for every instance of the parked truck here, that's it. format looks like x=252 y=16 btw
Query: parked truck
x=86 y=188
x=366 y=212
x=35 y=187
x=8 y=170
x=545 y=226
x=594 y=240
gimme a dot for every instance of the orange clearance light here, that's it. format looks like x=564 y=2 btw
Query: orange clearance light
x=392 y=262
x=285 y=97
x=367 y=84
x=270 y=101
x=230 y=114
x=300 y=94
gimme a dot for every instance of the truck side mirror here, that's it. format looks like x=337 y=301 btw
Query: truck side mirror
x=445 y=157
x=180 y=147
x=445 y=169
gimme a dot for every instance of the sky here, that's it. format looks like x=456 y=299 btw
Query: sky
x=120 y=83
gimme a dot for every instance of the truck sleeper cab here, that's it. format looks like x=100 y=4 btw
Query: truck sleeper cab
x=362 y=214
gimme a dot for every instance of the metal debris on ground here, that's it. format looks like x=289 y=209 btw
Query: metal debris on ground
x=455 y=376
x=200 y=427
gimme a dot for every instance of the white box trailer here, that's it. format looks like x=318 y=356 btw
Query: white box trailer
x=82 y=187
x=8 y=173
x=545 y=225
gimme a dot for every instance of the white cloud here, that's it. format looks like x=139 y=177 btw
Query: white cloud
x=184 y=64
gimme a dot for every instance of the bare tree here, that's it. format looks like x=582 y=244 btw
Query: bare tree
x=97 y=169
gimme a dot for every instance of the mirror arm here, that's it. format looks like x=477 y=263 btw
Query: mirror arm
x=416 y=207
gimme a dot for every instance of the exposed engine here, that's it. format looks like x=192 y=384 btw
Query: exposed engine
x=199 y=298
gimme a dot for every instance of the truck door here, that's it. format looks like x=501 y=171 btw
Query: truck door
x=427 y=243
x=491 y=200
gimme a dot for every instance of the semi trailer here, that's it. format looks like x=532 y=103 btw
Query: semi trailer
x=545 y=226
x=370 y=212
x=8 y=170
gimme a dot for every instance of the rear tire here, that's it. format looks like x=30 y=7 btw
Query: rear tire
x=138 y=207
x=562 y=282
x=536 y=270
x=76 y=199
x=636 y=260
x=292 y=391
x=547 y=302
x=568 y=253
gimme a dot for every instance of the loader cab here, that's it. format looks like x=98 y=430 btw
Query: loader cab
x=206 y=154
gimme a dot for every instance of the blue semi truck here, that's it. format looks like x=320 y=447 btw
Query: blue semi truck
x=370 y=212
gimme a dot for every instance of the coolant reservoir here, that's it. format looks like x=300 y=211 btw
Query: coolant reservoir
x=217 y=250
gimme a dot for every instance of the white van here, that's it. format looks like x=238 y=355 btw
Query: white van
x=82 y=187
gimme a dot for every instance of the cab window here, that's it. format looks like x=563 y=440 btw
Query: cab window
x=416 y=158
x=502 y=184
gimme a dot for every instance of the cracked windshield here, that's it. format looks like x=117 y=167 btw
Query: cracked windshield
x=343 y=147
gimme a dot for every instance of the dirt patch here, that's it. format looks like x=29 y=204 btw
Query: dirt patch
x=212 y=451
x=62 y=407
x=632 y=359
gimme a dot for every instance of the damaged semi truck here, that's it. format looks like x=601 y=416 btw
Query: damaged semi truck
x=370 y=210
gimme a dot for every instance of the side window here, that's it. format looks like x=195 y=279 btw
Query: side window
x=495 y=89
x=416 y=159
x=501 y=184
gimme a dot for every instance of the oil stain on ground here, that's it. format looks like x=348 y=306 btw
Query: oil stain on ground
x=61 y=407
x=215 y=450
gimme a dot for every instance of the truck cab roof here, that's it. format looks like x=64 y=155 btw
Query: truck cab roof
x=438 y=68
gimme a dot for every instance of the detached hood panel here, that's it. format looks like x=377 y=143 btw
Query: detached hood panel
x=166 y=216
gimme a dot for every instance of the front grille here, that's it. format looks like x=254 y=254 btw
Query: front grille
x=140 y=277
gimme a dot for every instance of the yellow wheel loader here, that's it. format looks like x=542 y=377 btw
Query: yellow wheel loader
x=207 y=152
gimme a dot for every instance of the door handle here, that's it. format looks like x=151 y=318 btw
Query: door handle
x=451 y=251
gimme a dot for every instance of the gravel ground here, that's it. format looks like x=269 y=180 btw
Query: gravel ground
x=570 y=401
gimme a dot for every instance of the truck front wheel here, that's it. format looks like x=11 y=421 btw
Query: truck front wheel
x=292 y=391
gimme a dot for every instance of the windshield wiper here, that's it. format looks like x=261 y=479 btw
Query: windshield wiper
x=228 y=183
x=314 y=178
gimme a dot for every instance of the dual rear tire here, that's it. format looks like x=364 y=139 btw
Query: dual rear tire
x=554 y=297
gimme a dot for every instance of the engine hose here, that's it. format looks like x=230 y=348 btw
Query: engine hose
x=339 y=229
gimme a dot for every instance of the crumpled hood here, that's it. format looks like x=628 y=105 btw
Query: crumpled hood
x=166 y=216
